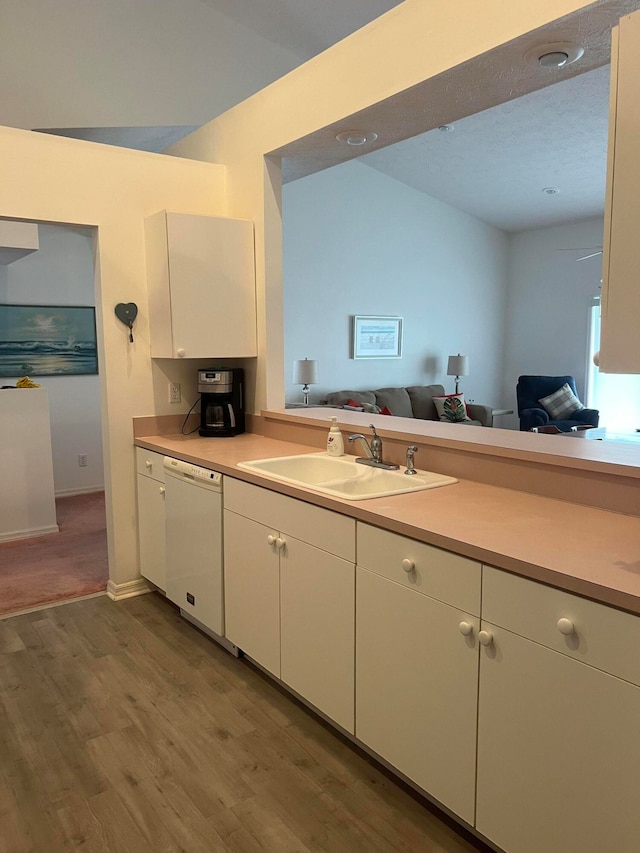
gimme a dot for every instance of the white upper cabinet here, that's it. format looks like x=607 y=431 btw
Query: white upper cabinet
x=201 y=278
x=620 y=342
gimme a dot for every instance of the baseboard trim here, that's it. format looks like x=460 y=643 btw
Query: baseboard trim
x=28 y=534
x=128 y=589
x=83 y=490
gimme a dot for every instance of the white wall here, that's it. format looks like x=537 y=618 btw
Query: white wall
x=53 y=179
x=550 y=294
x=413 y=43
x=62 y=180
x=61 y=272
x=358 y=242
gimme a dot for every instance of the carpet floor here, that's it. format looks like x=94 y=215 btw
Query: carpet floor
x=68 y=564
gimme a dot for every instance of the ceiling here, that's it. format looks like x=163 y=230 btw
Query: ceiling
x=306 y=27
x=495 y=164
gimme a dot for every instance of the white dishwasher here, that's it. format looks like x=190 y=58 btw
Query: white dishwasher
x=193 y=528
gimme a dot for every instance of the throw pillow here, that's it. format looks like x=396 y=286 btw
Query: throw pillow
x=385 y=411
x=362 y=407
x=561 y=404
x=340 y=398
x=451 y=408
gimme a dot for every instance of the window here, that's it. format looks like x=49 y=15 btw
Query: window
x=615 y=395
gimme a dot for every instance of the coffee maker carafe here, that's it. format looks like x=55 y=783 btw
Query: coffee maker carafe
x=221 y=401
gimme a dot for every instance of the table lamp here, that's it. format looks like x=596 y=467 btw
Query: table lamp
x=305 y=373
x=458 y=366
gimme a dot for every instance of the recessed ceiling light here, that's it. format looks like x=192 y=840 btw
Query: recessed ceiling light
x=554 y=59
x=556 y=54
x=446 y=128
x=357 y=137
x=551 y=191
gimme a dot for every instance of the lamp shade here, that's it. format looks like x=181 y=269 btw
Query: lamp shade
x=305 y=372
x=458 y=365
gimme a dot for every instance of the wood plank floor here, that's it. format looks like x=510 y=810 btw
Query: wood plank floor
x=122 y=728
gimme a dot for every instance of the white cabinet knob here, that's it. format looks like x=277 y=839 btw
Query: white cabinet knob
x=181 y=353
x=162 y=490
x=408 y=565
x=465 y=628
x=566 y=627
x=485 y=637
x=271 y=539
x=280 y=543
x=148 y=463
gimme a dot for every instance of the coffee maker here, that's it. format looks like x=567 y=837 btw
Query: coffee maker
x=221 y=401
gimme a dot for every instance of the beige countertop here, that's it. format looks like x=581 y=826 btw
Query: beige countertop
x=592 y=552
x=608 y=457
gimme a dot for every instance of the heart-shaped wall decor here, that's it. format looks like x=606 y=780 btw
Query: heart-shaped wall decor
x=127 y=312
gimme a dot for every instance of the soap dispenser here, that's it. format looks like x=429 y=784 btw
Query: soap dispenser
x=335 y=444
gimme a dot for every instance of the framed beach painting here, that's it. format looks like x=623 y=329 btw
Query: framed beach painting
x=47 y=340
x=377 y=337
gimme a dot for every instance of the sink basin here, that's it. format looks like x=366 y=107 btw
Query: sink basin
x=308 y=468
x=343 y=477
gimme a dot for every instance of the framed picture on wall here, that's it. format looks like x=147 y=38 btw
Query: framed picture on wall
x=47 y=340
x=376 y=337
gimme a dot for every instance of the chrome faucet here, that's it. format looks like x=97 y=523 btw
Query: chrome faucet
x=376 y=445
x=411 y=450
x=359 y=435
x=374 y=451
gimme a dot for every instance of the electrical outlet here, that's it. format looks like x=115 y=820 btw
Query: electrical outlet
x=175 y=395
x=83 y=460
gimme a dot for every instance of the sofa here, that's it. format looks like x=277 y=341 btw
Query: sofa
x=415 y=401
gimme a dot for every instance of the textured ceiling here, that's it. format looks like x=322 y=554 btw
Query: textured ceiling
x=551 y=129
x=496 y=164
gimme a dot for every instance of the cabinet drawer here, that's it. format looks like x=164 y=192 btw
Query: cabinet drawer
x=150 y=463
x=432 y=571
x=323 y=528
x=602 y=636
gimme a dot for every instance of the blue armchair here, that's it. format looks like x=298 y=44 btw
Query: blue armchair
x=531 y=389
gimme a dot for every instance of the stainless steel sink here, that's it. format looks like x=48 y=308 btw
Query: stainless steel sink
x=343 y=477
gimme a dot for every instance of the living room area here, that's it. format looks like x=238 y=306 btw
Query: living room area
x=514 y=300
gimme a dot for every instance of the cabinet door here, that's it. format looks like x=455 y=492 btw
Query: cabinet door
x=151 y=531
x=416 y=688
x=317 y=602
x=252 y=590
x=558 y=752
x=619 y=341
x=201 y=280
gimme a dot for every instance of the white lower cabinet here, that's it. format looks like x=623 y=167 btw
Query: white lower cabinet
x=151 y=514
x=524 y=725
x=417 y=663
x=252 y=589
x=289 y=599
x=558 y=742
x=317 y=606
